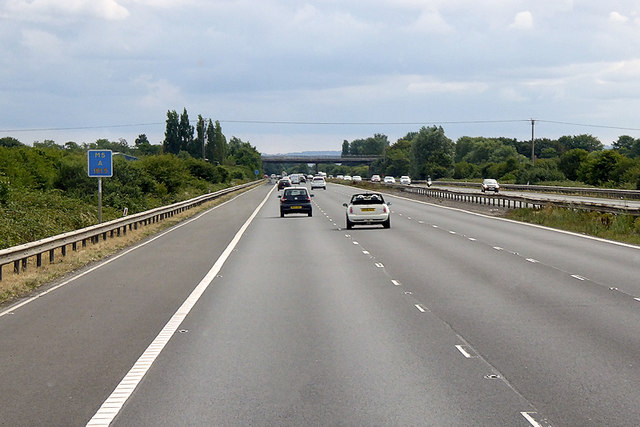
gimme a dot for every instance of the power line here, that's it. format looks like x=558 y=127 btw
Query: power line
x=318 y=123
x=587 y=125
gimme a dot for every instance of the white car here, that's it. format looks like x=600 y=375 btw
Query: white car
x=389 y=180
x=318 y=182
x=367 y=208
x=404 y=179
x=347 y=178
x=375 y=178
x=357 y=178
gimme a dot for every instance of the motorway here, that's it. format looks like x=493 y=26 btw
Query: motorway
x=545 y=196
x=240 y=317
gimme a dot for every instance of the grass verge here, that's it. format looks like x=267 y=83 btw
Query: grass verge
x=14 y=286
x=622 y=228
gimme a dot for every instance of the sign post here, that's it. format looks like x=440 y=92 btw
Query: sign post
x=99 y=165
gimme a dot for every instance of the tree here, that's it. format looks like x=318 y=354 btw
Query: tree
x=197 y=148
x=143 y=145
x=432 y=153
x=171 y=144
x=345 y=148
x=398 y=158
x=586 y=142
x=571 y=161
x=185 y=131
x=219 y=145
x=210 y=145
x=9 y=142
x=598 y=167
x=624 y=142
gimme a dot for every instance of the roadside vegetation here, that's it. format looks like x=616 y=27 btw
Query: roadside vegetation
x=621 y=228
x=45 y=189
x=578 y=160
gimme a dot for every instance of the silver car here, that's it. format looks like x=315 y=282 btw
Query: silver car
x=490 y=185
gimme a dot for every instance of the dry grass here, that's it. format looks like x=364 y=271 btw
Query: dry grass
x=14 y=286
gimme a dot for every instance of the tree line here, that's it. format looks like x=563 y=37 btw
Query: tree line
x=45 y=189
x=582 y=159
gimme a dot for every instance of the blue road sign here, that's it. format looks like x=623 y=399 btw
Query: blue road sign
x=100 y=163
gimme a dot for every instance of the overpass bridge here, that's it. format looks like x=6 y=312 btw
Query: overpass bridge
x=345 y=160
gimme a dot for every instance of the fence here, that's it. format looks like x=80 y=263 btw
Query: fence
x=513 y=202
x=19 y=255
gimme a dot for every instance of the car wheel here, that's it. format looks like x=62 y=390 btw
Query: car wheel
x=496 y=191
x=310 y=213
x=387 y=223
x=281 y=214
x=349 y=224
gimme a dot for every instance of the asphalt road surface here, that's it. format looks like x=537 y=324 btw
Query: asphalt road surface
x=240 y=317
x=620 y=203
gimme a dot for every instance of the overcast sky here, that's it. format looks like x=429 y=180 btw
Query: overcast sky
x=295 y=75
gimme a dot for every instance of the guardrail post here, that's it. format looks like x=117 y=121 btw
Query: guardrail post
x=24 y=264
x=16 y=267
x=63 y=249
x=51 y=256
x=39 y=260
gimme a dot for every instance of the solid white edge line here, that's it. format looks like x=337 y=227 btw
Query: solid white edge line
x=106 y=414
x=571 y=233
x=115 y=257
x=529 y=418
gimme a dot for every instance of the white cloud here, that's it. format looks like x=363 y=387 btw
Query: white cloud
x=433 y=86
x=49 y=10
x=618 y=18
x=522 y=21
x=157 y=92
x=431 y=22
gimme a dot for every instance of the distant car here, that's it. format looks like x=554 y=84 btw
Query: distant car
x=347 y=178
x=339 y=176
x=273 y=176
x=375 y=178
x=295 y=200
x=318 y=182
x=283 y=183
x=404 y=179
x=389 y=180
x=490 y=185
x=367 y=208
x=357 y=178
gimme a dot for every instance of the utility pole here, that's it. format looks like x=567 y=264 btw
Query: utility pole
x=533 y=124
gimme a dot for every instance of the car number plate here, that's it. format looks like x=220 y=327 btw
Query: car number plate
x=296 y=207
x=367 y=209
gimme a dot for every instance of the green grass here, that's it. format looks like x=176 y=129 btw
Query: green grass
x=622 y=228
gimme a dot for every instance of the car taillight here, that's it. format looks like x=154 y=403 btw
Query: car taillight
x=384 y=209
x=351 y=210
x=308 y=199
x=282 y=199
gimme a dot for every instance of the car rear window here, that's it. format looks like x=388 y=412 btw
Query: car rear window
x=367 y=199
x=295 y=193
